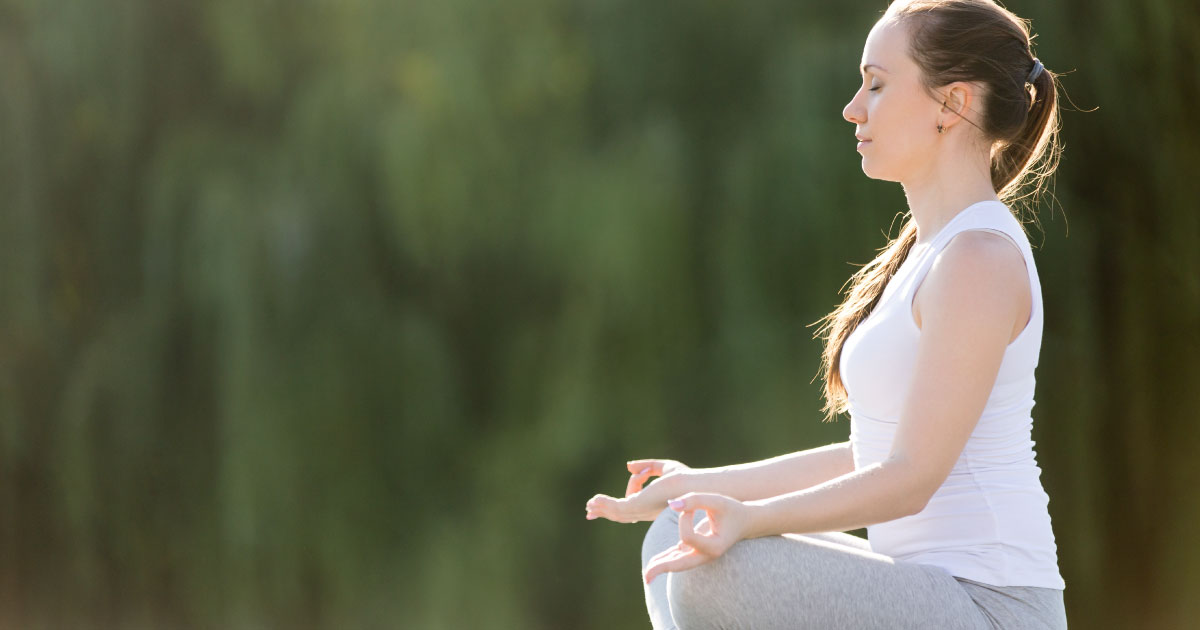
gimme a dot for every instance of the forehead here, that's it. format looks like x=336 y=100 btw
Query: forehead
x=887 y=46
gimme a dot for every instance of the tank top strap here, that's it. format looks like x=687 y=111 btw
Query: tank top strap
x=993 y=216
x=986 y=215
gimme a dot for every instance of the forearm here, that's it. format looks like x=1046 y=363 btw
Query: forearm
x=775 y=476
x=875 y=494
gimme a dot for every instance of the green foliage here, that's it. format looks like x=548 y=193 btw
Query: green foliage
x=334 y=314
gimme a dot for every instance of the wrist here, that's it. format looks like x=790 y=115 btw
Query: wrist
x=681 y=482
x=759 y=515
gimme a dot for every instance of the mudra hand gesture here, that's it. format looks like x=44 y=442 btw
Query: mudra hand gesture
x=723 y=525
x=639 y=504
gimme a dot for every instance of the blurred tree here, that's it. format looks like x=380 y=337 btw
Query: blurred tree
x=334 y=314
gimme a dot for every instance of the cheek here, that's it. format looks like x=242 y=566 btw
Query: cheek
x=888 y=116
x=895 y=125
x=896 y=139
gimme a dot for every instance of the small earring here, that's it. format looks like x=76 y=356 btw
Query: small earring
x=940 y=128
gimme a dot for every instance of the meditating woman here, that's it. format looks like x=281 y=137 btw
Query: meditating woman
x=932 y=353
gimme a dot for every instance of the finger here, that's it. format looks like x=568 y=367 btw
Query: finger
x=688 y=504
x=701 y=541
x=685 y=525
x=699 y=537
x=600 y=506
x=692 y=501
x=637 y=465
x=674 y=550
x=604 y=506
x=635 y=482
x=675 y=562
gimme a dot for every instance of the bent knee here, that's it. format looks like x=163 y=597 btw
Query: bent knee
x=698 y=597
x=666 y=524
x=663 y=532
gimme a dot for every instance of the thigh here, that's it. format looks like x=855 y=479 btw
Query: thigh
x=1018 y=607
x=806 y=581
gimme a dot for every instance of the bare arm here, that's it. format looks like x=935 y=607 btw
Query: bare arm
x=972 y=296
x=772 y=477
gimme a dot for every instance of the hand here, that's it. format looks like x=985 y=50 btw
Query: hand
x=639 y=504
x=725 y=523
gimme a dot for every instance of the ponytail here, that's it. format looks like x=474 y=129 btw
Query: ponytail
x=1030 y=158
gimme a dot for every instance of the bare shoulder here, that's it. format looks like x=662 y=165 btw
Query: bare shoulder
x=977 y=270
x=975 y=251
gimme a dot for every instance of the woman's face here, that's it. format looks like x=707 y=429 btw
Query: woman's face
x=891 y=109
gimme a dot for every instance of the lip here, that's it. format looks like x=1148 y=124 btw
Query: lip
x=863 y=143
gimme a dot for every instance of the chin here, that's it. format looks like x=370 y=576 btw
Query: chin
x=874 y=172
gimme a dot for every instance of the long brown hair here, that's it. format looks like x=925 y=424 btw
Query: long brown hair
x=973 y=41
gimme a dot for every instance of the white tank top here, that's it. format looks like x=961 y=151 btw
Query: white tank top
x=988 y=521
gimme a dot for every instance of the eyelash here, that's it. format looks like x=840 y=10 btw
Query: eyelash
x=875 y=89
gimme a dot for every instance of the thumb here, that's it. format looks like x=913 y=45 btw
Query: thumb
x=691 y=502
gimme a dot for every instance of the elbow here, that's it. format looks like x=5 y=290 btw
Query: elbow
x=919 y=498
x=915 y=488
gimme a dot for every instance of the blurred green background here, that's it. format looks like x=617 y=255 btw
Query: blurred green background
x=333 y=314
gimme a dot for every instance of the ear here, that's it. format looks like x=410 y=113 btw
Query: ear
x=958 y=98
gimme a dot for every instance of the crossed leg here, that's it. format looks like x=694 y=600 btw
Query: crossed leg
x=828 y=580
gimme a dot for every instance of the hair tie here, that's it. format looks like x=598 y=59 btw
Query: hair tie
x=1036 y=72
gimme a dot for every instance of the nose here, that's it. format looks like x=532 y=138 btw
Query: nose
x=853 y=112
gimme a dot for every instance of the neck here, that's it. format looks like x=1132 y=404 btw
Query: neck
x=956 y=179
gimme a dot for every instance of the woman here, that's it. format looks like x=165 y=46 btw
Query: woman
x=932 y=353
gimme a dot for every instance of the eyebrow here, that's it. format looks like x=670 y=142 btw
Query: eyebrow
x=873 y=65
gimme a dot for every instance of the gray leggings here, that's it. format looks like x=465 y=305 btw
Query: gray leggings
x=831 y=580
